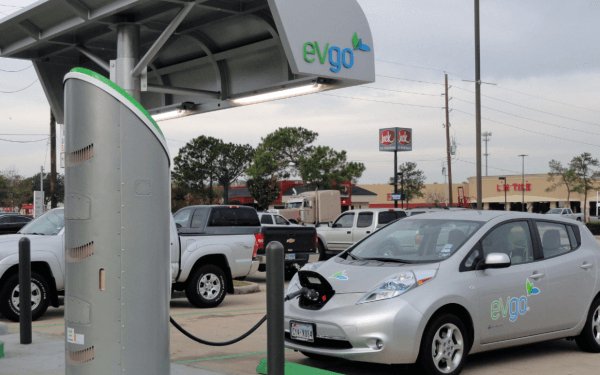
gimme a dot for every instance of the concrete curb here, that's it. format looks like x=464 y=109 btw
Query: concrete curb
x=3 y=329
x=246 y=289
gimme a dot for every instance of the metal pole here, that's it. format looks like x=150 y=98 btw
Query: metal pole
x=486 y=138
x=42 y=178
x=275 y=329
x=523 y=182
x=448 y=152
x=478 y=108
x=53 y=197
x=25 y=290
x=395 y=178
x=505 y=203
x=128 y=41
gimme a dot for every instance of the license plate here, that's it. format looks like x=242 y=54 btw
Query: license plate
x=290 y=256
x=302 y=331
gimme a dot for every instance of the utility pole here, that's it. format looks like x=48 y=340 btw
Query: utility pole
x=53 y=197
x=486 y=138
x=522 y=156
x=448 y=151
x=478 y=108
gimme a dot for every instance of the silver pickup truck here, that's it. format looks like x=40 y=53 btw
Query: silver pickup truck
x=352 y=226
x=210 y=246
x=565 y=212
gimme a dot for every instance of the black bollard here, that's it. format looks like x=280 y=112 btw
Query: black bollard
x=275 y=329
x=25 y=290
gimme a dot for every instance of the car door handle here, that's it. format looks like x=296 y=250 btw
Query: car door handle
x=536 y=276
x=368 y=231
x=348 y=232
x=586 y=266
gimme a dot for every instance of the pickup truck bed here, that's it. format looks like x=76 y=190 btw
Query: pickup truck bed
x=299 y=246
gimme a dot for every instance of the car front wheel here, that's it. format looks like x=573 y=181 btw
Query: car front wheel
x=589 y=338
x=206 y=287
x=9 y=297
x=444 y=346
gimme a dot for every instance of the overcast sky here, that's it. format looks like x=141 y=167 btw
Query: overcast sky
x=542 y=57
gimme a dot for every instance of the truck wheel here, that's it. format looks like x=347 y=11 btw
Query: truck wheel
x=321 y=250
x=206 y=287
x=9 y=297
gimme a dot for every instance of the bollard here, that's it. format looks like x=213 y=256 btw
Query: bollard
x=25 y=290
x=275 y=329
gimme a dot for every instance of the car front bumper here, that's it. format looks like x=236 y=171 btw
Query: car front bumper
x=380 y=332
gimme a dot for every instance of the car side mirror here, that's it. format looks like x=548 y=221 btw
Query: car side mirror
x=336 y=225
x=178 y=225
x=495 y=260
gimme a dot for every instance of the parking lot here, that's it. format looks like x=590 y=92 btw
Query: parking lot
x=240 y=312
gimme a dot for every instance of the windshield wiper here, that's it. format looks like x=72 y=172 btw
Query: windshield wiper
x=35 y=234
x=354 y=256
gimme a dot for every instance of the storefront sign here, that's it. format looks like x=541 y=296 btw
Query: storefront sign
x=395 y=139
x=513 y=187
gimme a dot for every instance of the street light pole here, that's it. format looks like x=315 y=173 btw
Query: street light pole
x=503 y=188
x=522 y=156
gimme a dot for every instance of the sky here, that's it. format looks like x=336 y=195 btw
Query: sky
x=540 y=64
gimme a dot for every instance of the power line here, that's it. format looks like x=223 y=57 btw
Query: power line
x=19 y=90
x=497 y=168
x=531 y=108
x=531 y=119
x=530 y=131
x=400 y=91
x=410 y=80
x=382 y=101
x=548 y=99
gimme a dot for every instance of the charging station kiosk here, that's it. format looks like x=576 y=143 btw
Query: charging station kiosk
x=117 y=207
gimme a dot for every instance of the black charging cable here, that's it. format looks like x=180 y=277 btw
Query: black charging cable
x=288 y=297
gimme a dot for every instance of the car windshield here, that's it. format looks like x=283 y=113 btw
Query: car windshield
x=49 y=224
x=555 y=211
x=416 y=241
x=297 y=204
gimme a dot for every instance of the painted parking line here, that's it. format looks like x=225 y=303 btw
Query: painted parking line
x=220 y=357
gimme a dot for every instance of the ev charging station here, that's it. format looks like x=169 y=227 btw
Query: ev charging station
x=175 y=58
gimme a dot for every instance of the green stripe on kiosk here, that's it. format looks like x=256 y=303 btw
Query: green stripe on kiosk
x=117 y=211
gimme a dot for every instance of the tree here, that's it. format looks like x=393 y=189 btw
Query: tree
x=205 y=160
x=231 y=162
x=59 y=192
x=325 y=168
x=565 y=176
x=279 y=153
x=412 y=181
x=583 y=167
x=264 y=191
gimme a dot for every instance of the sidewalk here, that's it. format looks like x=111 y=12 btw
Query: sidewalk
x=46 y=356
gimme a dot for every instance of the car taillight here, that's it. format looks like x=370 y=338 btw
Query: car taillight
x=259 y=243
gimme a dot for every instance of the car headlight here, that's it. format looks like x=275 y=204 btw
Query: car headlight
x=396 y=285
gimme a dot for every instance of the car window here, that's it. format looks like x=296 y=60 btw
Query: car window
x=365 y=219
x=416 y=240
x=280 y=220
x=21 y=219
x=266 y=219
x=388 y=216
x=49 y=224
x=513 y=239
x=199 y=218
x=4 y=219
x=182 y=217
x=233 y=216
x=555 y=239
x=344 y=221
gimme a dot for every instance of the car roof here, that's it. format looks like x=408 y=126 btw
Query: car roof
x=480 y=215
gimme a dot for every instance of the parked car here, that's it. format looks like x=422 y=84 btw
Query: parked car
x=435 y=287
x=46 y=236
x=270 y=218
x=565 y=212
x=352 y=226
x=12 y=222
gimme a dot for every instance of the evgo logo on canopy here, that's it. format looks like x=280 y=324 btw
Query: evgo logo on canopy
x=336 y=56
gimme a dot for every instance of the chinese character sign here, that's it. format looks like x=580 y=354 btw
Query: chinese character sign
x=395 y=139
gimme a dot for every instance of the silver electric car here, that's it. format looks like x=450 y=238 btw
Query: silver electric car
x=433 y=288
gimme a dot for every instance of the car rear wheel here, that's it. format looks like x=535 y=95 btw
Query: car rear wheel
x=589 y=338
x=321 y=251
x=9 y=297
x=206 y=287
x=444 y=346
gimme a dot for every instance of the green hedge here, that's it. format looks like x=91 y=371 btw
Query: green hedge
x=594 y=228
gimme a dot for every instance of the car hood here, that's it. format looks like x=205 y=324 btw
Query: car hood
x=9 y=243
x=361 y=277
